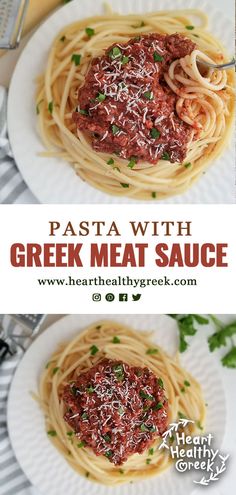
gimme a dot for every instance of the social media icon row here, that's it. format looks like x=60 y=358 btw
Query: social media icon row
x=122 y=297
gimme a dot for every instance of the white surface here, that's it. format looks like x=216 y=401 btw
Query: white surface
x=200 y=288
x=26 y=422
x=54 y=181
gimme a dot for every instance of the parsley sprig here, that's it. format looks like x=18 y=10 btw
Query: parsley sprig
x=186 y=326
x=220 y=337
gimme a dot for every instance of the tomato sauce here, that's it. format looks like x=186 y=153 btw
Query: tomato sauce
x=116 y=409
x=125 y=105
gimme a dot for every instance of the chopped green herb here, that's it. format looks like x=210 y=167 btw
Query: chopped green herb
x=87 y=474
x=50 y=107
x=152 y=429
x=186 y=383
x=99 y=326
x=148 y=95
x=137 y=38
x=62 y=38
x=70 y=433
x=160 y=382
x=187 y=165
x=138 y=373
x=119 y=372
x=121 y=471
x=81 y=444
x=124 y=185
x=154 y=195
x=37 y=106
x=74 y=390
x=110 y=161
x=121 y=411
x=165 y=156
x=115 y=129
x=101 y=97
x=146 y=408
x=199 y=425
x=90 y=390
x=108 y=453
x=107 y=438
x=151 y=451
x=157 y=57
x=84 y=415
x=145 y=396
x=52 y=433
x=181 y=415
x=89 y=31
x=94 y=349
x=132 y=162
x=155 y=133
x=55 y=370
x=116 y=340
x=158 y=406
x=148 y=461
x=116 y=168
x=196 y=36
x=190 y=28
x=152 y=351
x=83 y=112
x=76 y=58
x=182 y=390
x=115 y=53
x=48 y=364
x=143 y=427
x=124 y=60
x=142 y=24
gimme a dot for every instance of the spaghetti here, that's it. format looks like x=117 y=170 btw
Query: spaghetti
x=81 y=361
x=203 y=104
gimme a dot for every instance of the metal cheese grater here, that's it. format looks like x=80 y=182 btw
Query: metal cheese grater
x=13 y=339
x=12 y=16
x=31 y=323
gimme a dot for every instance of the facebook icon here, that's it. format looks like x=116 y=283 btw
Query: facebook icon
x=123 y=297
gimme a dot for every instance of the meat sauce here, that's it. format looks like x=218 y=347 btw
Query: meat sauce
x=126 y=106
x=116 y=409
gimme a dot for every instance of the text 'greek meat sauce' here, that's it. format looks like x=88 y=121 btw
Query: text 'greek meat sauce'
x=116 y=409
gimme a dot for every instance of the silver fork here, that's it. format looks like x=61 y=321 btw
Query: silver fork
x=228 y=65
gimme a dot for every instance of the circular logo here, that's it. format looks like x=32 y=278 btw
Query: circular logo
x=109 y=297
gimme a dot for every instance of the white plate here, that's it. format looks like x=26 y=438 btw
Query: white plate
x=44 y=466
x=53 y=180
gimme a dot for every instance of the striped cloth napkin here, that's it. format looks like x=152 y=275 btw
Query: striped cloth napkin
x=12 y=186
x=12 y=479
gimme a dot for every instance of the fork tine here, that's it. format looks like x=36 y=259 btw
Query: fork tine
x=225 y=66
